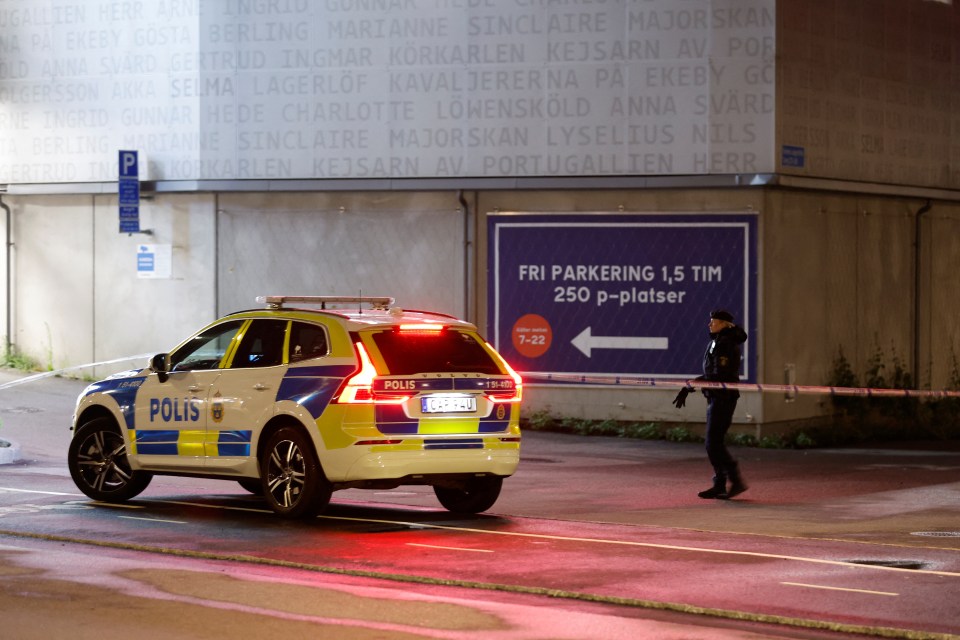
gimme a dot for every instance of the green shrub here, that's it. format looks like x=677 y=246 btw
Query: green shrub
x=743 y=439
x=13 y=359
x=681 y=434
x=887 y=418
x=648 y=431
x=539 y=421
x=772 y=442
x=802 y=441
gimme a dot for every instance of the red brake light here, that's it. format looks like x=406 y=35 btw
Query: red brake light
x=358 y=389
x=421 y=328
x=516 y=395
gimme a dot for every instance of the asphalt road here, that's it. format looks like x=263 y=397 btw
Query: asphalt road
x=592 y=538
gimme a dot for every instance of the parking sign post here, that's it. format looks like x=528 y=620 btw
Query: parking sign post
x=128 y=189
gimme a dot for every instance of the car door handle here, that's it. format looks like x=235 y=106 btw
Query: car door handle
x=194 y=387
x=260 y=387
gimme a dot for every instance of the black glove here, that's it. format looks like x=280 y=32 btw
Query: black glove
x=681 y=398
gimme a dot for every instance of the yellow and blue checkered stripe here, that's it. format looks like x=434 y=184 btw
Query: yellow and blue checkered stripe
x=172 y=442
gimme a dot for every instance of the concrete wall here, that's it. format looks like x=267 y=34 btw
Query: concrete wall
x=940 y=290
x=134 y=315
x=77 y=296
x=836 y=272
x=53 y=265
x=868 y=89
x=408 y=245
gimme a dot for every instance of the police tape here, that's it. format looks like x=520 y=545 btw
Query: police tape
x=633 y=381
x=58 y=372
x=616 y=380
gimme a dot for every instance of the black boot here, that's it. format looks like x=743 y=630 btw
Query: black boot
x=737 y=485
x=718 y=490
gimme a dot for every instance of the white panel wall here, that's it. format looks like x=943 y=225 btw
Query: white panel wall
x=53 y=266
x=77 y=297
x=410 y=246
x=134 y=315
x=388 y=88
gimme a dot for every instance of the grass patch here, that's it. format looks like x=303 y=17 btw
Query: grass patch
x=13 y=359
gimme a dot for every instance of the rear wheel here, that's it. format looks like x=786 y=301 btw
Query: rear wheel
x=98 y=463
x=294 y=483
x=470 y=496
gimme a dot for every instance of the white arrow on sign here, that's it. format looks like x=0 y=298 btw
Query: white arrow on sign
x=586 y=342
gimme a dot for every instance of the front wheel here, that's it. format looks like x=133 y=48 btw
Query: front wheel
x=97 y=458
x=293 y=480
x=470 y=496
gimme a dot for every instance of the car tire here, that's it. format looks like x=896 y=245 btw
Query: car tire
x=97 y=458
x=294 y=483
x=471 y=496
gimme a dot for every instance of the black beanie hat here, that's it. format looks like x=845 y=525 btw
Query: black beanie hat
x=720 y=314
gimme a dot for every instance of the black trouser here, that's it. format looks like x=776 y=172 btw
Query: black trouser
x=720 y=410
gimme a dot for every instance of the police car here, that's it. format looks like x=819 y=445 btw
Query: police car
x=297 y=402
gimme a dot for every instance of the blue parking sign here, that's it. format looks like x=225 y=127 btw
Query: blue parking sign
x=618 y=294
x=128 y=192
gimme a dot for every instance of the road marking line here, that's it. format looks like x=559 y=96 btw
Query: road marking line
x=215 y=506
x=46 y=493
x=782 y=536
x=435 y=546
x=117 y=505
x=820 y=586
x=489 y=586
x=649 y=545
x=626 y=543
x=152 y=519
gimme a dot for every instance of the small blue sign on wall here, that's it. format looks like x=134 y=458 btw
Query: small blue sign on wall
x=618 y=294
x=792 y=156
x=146 y=260
x=128 y=191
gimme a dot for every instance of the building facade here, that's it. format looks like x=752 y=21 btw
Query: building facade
x=381 y=146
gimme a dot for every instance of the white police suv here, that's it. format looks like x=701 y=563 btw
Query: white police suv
x=295 y=403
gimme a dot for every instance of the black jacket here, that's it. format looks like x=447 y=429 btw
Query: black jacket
x=721 y=360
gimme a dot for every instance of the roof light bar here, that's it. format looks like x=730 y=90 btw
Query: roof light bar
x=381 y=303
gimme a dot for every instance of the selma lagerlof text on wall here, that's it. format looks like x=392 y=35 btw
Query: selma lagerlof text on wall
x=258 y=89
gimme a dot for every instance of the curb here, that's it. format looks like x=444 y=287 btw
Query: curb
x=9 y=451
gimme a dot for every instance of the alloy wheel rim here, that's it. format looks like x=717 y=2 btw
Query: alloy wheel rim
x=287 y=473
x=102 y=460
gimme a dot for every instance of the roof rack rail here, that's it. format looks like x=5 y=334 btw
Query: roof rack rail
x=381 y=303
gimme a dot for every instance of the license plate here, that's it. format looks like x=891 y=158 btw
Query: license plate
x=448 y=404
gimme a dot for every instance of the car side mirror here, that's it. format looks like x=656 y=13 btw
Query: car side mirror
x=160 y=364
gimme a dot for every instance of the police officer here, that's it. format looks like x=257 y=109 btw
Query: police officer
x=721 y=363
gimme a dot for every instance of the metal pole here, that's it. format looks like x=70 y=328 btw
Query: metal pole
x=917 y=265
x=9 y=249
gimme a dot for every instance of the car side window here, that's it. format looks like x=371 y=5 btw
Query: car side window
x=205 y=350
x=261 y=345
x=307 y=341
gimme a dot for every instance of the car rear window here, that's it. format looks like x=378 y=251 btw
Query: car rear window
x=448 y=351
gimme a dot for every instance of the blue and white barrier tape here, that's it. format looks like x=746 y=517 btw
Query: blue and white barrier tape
x=51 y=374
x=632 y=381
